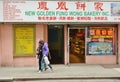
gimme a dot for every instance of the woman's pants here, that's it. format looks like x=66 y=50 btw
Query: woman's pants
x=43 y=66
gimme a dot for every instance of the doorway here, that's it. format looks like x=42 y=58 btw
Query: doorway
x=76 y=45
x=56 y=43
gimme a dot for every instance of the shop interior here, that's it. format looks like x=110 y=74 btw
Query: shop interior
x=77 y=45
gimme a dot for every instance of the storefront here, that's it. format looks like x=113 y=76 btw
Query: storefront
x=89 y=41
x=77 y=32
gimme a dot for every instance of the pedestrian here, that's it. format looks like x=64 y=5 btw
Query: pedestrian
x=45 y=53
x=39 y=56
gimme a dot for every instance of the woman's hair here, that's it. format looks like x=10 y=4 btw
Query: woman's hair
x=41 y=41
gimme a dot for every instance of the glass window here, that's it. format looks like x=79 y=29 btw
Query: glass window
x=100 y=41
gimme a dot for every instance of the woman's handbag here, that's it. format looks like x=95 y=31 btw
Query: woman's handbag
x=46 y=60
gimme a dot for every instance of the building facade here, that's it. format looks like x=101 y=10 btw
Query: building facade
x=77 y=32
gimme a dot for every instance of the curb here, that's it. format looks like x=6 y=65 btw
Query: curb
x=55 y=78
x=6 y=80
x=63 y=78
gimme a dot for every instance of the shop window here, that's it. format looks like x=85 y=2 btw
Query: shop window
x=100 y=41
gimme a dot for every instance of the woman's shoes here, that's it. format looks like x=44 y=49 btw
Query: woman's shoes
x=39 y=71
x=46 y=68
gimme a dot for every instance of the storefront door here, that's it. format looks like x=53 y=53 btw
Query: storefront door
x=56 y=43
x=76 y=45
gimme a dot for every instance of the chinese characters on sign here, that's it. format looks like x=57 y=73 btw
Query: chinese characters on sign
x=103 y=32
x=61 y=11
x=62 y=5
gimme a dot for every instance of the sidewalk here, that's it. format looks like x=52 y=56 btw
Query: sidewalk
x=61 y=72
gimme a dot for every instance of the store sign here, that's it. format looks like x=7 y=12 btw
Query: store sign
x=101 y=33
x=24 y=40
x=58 y=11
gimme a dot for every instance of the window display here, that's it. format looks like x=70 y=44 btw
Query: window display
x=100 y=48
x=77 y=45
x=77 y=39
x=100 y=41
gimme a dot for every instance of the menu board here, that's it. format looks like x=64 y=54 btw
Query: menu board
x=24 y=40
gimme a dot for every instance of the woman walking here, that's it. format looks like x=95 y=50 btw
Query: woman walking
x=45 y=52
x=39 y=56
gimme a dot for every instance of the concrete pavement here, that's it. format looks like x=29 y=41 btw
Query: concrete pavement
x=61 y=72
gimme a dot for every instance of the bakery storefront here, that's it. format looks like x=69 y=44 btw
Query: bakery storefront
x=92 y=41
x=77 y=32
